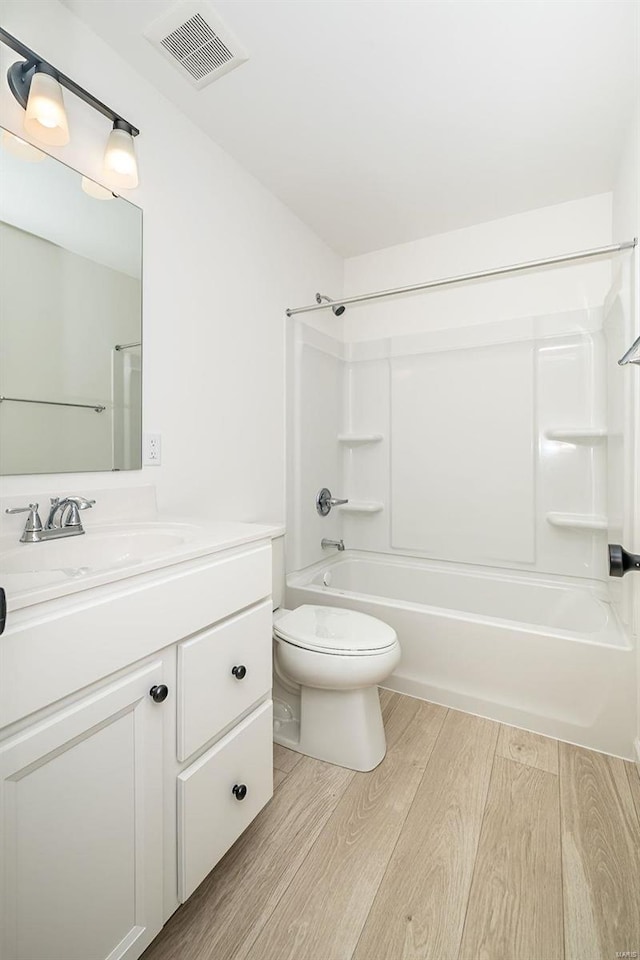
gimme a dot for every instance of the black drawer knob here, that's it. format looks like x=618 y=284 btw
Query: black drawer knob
x=239 y=672
x=159 y=692
x=239 y=791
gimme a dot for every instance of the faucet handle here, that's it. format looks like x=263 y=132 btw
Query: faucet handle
x=34 y=523
x=80 y=502
x=69 y=507
x=324 y=501
x=31 y=507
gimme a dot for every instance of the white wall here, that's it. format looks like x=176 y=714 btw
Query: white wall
x=222 y=260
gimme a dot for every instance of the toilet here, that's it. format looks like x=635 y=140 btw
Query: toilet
x=328 y=662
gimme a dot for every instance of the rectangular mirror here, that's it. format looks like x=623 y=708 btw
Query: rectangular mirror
x=70 y=319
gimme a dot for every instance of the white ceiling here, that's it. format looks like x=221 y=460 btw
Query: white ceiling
x=382 y=121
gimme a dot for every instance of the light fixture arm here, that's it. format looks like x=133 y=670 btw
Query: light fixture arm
x=20 y=75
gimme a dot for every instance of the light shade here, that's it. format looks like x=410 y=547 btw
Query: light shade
x=96 y=190
x=46 y=118
x=20 y=148
x=120 y=166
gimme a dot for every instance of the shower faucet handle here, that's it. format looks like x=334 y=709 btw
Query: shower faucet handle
x=324 y=501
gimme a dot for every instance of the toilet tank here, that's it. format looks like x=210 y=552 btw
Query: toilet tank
x=277 y=571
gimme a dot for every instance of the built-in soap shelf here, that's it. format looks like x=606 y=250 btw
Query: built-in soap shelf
x=363 y=506
x=358 y=439
x=577 y=434
x=578 y=521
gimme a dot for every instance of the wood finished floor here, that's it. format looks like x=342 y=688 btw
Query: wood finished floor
x=470 y=841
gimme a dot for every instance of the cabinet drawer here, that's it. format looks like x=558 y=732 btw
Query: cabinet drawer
x=210 y=815
x=210 y=695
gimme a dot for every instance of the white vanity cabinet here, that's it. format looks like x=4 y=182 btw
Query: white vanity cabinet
x=138 y=755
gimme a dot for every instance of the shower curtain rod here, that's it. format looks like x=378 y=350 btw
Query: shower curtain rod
x=512 y=268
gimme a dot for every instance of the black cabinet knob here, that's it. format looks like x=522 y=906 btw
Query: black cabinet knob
x=239 y=672
x=159 y=692
x=239 y=791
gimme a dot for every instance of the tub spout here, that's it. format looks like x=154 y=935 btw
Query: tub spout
x=332 y=543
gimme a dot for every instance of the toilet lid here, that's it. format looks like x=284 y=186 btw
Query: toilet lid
x=334 y=630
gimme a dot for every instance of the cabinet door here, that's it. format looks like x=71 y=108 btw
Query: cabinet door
x=81 y=828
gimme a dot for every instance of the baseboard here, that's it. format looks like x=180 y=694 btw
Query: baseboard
x=636 y=744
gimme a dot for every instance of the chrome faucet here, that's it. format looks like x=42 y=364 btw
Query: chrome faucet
x=332 y=543
x=63 y=520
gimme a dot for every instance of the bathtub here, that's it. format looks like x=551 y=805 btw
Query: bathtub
x=545 y=654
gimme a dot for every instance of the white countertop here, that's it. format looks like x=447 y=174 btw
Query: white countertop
x=109 y=551
x=27 y=588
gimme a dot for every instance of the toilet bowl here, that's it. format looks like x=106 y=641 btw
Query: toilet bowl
x=329 y=662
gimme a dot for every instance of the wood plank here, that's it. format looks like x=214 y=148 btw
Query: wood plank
x=419 y=910
x=227 y=911
x=285 y=759
x=278 y=777
x=322 y=914
x=389 y=701
x=515 y=905
x=601 y=855
x=386 y=696
x=529 y=748
x=633 y=774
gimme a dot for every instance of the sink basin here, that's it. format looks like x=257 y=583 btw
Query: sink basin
x=97 y=550
x=112 y=551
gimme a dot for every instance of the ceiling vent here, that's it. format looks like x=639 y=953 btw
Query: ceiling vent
x=196 y=41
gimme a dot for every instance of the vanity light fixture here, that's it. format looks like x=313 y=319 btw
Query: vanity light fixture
x=120 y=157
x=45 y=118
x=37 y=86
